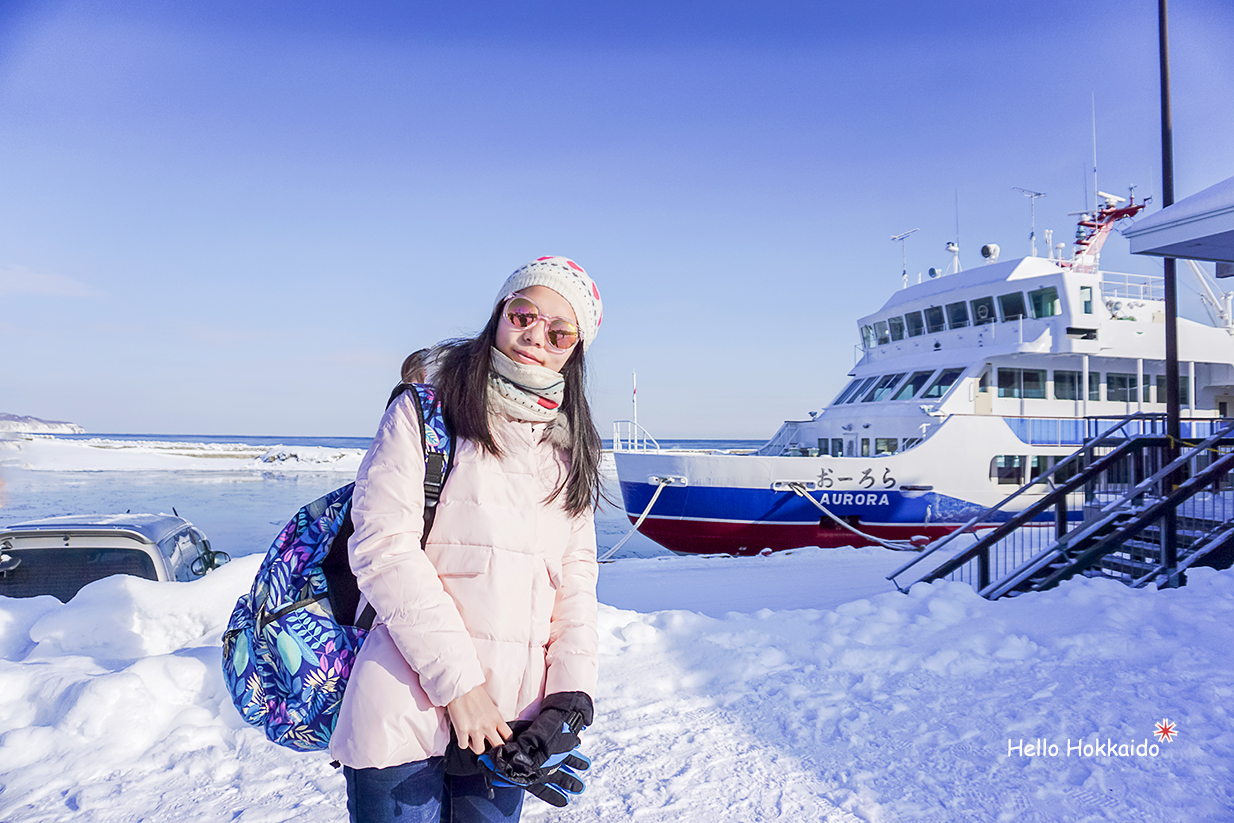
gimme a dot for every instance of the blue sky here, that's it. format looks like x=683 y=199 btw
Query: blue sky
x=238 y=217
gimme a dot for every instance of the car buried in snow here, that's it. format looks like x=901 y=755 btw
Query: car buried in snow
x=60 y=555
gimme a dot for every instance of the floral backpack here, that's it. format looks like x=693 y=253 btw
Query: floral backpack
x=292 y=640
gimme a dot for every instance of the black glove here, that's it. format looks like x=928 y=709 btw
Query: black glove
x=526 y=758
x=559 y=777
x=542 y=756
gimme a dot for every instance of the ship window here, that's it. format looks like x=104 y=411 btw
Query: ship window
x=869 y=381
x=1094 y=385
x=897 y=327
x=852 y=387
x=1008 y=469
x=1120 y=387
x=934 y=319
x=867 y=337
x=883 y=388
x=1012 y=305
x=1184 y=395
x=865 y=447
x=983 y=311
x=957 y=315
x=1067 y=385
x=915 y=327
x=837 y=447
x=909 y=442
x=881 y=334
x=913 y=385
x=885 y=445
x=1086 y=298
x=1038 y=465
x=1026 y=383
x=1044 y=302
x=944 y=382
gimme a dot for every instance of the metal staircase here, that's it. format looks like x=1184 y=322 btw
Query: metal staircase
x=1129 y=504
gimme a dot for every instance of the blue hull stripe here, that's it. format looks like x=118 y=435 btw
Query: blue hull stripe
x=768 y=506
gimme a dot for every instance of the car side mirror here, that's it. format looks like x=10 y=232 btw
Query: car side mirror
x=208 y=560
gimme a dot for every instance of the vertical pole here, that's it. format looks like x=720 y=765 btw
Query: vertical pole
x=634 y=401
x=1169 y=524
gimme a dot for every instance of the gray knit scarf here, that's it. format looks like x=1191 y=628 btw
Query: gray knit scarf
x=524 y=392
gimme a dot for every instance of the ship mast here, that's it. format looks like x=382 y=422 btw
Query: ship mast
x=1092 y=231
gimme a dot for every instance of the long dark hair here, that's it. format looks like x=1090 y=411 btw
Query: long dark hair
x=462 y=371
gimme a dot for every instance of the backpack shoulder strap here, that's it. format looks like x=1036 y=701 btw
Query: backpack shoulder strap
x=438 y=446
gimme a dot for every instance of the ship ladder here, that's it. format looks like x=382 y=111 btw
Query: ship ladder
x=894 y=545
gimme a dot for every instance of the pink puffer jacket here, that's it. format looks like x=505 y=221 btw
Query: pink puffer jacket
x=504 y=594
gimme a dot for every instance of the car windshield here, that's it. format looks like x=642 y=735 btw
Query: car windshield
x=61 y=572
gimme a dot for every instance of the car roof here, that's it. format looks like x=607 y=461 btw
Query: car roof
x=153 y=527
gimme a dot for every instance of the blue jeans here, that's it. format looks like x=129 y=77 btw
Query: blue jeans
x=422 y=792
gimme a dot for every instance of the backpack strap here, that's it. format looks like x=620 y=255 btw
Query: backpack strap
x=438 y=446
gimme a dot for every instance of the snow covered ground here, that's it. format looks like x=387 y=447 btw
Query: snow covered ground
x=795 y=687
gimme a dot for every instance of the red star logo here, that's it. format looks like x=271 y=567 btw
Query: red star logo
x=1166 y=731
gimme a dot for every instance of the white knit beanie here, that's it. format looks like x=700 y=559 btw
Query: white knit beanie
x=567 y=278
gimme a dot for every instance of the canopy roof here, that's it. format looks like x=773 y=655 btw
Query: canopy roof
x=1199 y=227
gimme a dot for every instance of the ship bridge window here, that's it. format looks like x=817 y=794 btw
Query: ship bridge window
x=944 y=382
x=867 y=337
x=1044 y=302
x=848 y=390
x=957 y=315
x=934 y=319
x=883 y=388
x=1086 y=298
x=1026 y=383
x=1012 y=306
x=865 y=384
x=897 y=327
x=881 y=334
x=1120 y=387
x=983 y=311
x=916 y=328
x=913 y=385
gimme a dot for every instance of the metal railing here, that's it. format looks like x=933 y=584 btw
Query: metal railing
x=629 y=436
x=1132 y=286
x=1104 y=510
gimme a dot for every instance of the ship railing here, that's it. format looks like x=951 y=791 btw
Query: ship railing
x=629 y=436
x=1133 y=286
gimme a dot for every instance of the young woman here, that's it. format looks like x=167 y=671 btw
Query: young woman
x=494 y=621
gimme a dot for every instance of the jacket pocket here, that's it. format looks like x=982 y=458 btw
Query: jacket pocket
x=454 y=560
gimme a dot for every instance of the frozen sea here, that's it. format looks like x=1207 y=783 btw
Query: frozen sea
x=795 y=687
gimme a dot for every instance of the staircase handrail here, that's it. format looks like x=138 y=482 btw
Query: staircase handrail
x=1047 y=477
x=1150 y=514
x=1111 y=511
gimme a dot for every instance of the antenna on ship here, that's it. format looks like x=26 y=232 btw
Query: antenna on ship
x=904 y=252
x=1032 y=200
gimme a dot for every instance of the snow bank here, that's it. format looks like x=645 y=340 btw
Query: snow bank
x=45 y=453
x=23 y=423
x=885 y=708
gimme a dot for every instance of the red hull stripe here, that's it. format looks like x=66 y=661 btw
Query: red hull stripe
x=711 y=537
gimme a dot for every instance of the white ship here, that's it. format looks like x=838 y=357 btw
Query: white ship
x=969 y=384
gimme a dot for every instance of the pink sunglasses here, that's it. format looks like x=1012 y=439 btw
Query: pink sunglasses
x=523 y=313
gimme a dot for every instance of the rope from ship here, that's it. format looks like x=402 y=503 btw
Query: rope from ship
x=664 y=482
x=894 y=545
